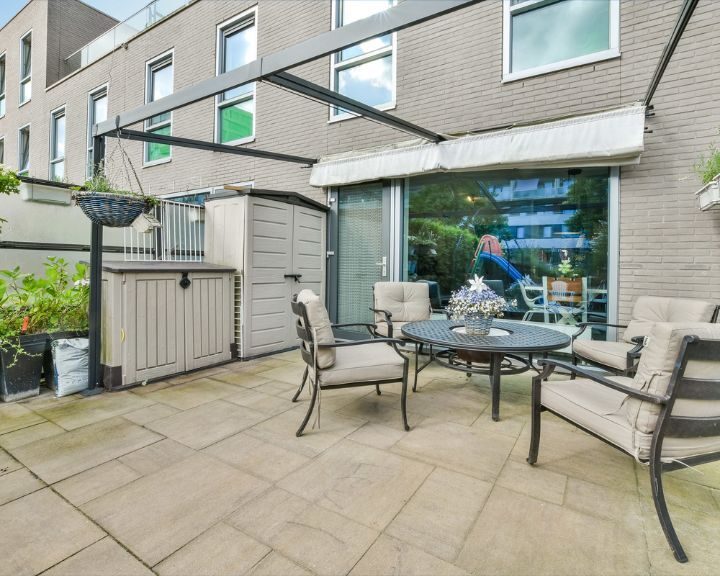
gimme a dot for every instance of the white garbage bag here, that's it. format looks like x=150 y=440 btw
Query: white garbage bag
x=70 y=364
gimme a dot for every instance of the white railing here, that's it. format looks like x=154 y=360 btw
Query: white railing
x=121 y=33
x=180 y=237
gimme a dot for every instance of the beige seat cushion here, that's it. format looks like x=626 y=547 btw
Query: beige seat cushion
x=651 y=309
x=655 y=370
x=598 y=409
x=320 y=322
x=363 y=363
x=407 y=301
x=612 y=354
x=382 y=329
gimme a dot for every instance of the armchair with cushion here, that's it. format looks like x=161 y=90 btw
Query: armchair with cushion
x=622 y=357
x=667 y=416
x=334 y=363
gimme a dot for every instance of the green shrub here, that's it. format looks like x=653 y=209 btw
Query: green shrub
x=708 y=168
x=9 y=184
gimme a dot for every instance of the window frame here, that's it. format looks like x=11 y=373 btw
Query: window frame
x=59 y=112
x=234 y=23
x=337 y=65
x=91 y=121
x=26 y=170
x=528 y=5
x=159 y=62
x=3 y=86
x=28 y=78
x=2 y=150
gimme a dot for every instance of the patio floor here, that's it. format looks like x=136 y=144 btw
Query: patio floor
x=203 y=475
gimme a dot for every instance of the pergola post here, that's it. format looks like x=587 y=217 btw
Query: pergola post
x=96 y=249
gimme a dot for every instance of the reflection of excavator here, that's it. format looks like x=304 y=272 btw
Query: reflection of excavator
x=489 y=248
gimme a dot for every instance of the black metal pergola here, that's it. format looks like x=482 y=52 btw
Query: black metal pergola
x=273 y=69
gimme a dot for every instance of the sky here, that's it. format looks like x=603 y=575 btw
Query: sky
x=119 y=9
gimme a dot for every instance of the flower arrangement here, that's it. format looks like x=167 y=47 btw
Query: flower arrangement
x=478 y=299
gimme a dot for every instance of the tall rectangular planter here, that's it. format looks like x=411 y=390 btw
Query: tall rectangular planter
x=20 y=372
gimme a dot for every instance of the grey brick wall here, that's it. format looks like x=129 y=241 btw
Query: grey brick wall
x=449 y=79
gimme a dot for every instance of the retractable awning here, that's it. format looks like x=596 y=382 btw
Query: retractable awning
x=612 y=138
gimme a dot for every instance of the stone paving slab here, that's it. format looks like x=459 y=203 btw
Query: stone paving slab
x=95 y=482
x=17 y=484
x=16 y=416
x=30 y=434
x=72 y=415
x=191 y=394
x=104 y=558
x=39 y=531
x=158 y=514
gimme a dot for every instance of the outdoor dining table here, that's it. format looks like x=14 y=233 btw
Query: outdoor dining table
x=507 y=349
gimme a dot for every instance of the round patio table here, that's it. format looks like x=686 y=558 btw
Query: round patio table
x=501 y=348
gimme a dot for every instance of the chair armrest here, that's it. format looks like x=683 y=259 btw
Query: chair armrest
x=358 y=342
x=590 y=375
x=385 y=313
x=584 y=325
x=440 y=311
x=634 y=353
x=368 y=327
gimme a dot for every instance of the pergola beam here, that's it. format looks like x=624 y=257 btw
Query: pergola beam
x=126 y=134
x=398 y=17
x=301 y=86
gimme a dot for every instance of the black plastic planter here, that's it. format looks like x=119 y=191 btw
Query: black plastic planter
x=20 y=370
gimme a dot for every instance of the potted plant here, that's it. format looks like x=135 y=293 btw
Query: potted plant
x=33 y=312
x=106 y=205
x=9 y=184
x=572 y=291
x=476 y=304
x=708 y=169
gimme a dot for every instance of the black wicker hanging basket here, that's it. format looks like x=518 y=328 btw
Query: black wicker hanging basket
x=113 y=210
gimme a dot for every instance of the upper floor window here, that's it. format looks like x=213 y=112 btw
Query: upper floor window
x=24 y=150
x=26 y=68
x=542 y=36
x=2 y=150
x=2 y=85
x=366 y=71
x=235 y=108
x=97 y=112
x=159 y=83
x=57 y=145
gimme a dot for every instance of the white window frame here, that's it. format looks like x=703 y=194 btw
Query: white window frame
x=54 y=115
x=91 y=121
x=250 y=15
x=508 y=11
x=158 y=62
x=2 y=150
x=337 y=65
x=20 y=170
x=3 y=88
x=25 y=79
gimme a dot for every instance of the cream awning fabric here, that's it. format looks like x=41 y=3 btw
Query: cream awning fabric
x=612 y=138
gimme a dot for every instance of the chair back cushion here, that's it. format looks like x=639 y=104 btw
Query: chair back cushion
x=407 y=301
x=656 y=367
x=651 y=309
x=319 y=321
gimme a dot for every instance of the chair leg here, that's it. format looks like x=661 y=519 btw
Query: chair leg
x=535 y=424
x=662 y=510
x=377 y=389
x=302 y=385
x=310 y=409
x=403 y=398
x=575 y=363
x=417 y=356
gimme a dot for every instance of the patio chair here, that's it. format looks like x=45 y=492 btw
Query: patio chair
x=335 y=363
x=621 y=357
x=667 y=417
x=537 y=304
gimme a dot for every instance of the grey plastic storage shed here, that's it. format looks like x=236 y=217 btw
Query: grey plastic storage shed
x=276 y=242
x=164 y=318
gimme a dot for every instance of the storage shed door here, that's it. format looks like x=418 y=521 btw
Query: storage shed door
x=309 y=250
x=267 y=289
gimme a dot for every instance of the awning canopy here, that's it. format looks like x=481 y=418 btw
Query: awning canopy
x=612 y=138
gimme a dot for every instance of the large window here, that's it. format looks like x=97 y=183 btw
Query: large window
x=366 y=71
x=57 y=145
x=26 y=68
x=235 y=108
x=2 y=85
x=97 y=112
x=24 y=150
x=158 y=84
x=545 y=35
x=540 y=236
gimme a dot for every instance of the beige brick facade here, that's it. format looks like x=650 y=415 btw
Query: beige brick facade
x=449 y=79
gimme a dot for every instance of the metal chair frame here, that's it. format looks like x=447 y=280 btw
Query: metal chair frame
x=308 y=348
x=668 y=425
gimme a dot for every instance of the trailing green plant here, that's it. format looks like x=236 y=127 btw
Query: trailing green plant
x=101 y=183
x=9 y=184
x=708 y=168
x=58 y=301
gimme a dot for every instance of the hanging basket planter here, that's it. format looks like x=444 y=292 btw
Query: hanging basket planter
x=110 y=209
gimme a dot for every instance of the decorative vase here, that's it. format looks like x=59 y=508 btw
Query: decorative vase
x=478 y=324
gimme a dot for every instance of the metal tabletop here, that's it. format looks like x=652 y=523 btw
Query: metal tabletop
x=519 y=337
